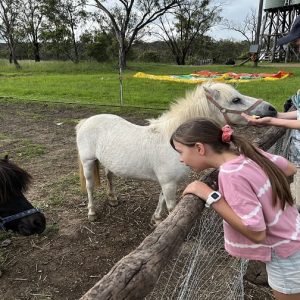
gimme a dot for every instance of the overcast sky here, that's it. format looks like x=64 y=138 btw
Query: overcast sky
x=235 y=10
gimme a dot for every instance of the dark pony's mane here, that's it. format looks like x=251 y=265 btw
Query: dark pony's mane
x=13 y=180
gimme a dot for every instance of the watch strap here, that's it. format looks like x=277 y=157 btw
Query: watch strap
x=212 y=198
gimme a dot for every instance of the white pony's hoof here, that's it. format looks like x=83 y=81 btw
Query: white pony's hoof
x=113 y=202
x=155 y=221
x=92 y=218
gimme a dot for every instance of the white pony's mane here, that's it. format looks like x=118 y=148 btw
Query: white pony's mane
x=189 y=107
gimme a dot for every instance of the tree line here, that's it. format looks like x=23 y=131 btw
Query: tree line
x=146 y=30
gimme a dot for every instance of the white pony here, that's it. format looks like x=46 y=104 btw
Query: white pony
x=144 y=152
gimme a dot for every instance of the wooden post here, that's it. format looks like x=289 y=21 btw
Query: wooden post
x=257 y=35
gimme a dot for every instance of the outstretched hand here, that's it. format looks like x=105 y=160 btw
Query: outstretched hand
x=257 y=121
x=198 y=188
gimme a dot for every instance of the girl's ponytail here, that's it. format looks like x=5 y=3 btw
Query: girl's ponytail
x=279 y=183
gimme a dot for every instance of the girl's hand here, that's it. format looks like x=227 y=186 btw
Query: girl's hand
x=259 y=121
x=199 y=189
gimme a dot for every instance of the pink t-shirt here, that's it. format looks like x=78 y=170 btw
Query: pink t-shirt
x=248 y=191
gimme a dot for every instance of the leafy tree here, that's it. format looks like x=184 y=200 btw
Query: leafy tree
x=206 y=47
x=101 y=46
x=156 y=51
x=150 y=56
x=128 y=18
x=9 y=24
x=63 y=19
x=54 y=39
x=31 y=19
x=180 y=27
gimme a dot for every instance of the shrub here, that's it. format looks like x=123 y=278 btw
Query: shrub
x=150 y=56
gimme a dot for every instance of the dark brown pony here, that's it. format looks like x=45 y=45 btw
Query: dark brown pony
x=16 y=212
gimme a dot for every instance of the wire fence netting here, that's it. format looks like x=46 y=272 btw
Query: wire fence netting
x=202 y=269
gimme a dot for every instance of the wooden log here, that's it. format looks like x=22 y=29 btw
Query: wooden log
x=271 y=136
x=135 y=275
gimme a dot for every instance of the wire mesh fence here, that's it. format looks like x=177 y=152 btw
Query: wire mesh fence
x=202 y=269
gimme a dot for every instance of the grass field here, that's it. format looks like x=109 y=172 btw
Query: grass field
x=94 y=83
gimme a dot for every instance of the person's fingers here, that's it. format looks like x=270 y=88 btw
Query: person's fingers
x=245 y=116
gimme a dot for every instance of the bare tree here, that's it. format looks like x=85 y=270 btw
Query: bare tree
x=185 y=23
x=9 y=13
x=31 y=18
x=129 y=17
x=247 y=28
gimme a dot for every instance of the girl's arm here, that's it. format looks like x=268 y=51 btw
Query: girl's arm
x=286 y=120
x=290 y=115
x=227 y=213
x=292 y=124
x=290 y=170
x=202 y=190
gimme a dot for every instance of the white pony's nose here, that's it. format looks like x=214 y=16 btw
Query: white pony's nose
x=271 y=112
x=272 y=109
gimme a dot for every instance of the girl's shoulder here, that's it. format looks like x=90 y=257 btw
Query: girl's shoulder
x=231 y=165
x=296 y=99
x=235 y=167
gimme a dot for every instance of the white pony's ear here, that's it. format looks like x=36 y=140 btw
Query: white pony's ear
x=213 y=93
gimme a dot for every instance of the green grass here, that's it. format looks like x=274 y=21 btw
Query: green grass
x=59 y=189
x=95 y=83
x=29 y=149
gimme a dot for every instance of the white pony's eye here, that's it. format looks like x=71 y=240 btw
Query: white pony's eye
x=236 y=100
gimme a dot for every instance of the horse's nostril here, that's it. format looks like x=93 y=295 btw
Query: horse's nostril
x=271 y=108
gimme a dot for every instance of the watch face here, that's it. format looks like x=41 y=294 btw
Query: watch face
x=215 y=196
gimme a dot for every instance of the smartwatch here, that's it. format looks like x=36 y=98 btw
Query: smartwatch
x=212 y=198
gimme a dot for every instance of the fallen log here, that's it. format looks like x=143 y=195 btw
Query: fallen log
x=135 y=275
x=272 y=135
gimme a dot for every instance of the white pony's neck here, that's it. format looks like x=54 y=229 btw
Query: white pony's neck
x=182 y=110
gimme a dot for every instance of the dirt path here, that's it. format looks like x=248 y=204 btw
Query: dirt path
x=73 y=253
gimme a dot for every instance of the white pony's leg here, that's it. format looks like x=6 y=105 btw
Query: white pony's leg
x=169 y=191
x=113 y=200
x=167 y=198
x=88 y=170
x=157 y=216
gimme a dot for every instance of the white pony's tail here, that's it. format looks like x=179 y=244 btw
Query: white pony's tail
x=96 y=175
x=96 y=167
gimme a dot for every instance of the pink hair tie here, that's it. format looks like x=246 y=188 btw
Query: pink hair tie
x=227 y=133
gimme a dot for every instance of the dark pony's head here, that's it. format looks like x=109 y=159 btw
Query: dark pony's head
x=16 y=213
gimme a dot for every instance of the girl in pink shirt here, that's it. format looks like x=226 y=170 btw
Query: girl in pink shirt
x=254 y=199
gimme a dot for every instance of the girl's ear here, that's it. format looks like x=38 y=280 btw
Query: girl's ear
x=200 y=148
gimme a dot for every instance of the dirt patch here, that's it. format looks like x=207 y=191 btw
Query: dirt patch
x=73 y=254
